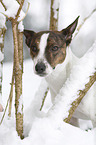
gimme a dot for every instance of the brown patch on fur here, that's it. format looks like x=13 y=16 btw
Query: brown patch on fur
x=34 y=42
x=58 y=56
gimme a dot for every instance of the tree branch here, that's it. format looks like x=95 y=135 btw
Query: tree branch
x=44 y=99
x=25 y=13
x=19 y=10
x=11 y=94
x=18 y=69
x=3 y=5
x=18 y=79
x=85 y=19
x=82 y=93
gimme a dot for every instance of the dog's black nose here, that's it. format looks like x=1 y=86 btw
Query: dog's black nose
x=40 y=68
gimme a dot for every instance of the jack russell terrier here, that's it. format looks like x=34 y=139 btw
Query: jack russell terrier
x=48 y=49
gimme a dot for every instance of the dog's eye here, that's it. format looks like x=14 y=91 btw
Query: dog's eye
x=55 y=48
x=34 y=49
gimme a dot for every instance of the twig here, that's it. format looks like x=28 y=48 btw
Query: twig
x=4 y=112
x=3 y=5
x=80 y=26
x=11 y=94
x=25 y=13
x=4 y=15
x=44 y=98
x=9 y=99
x=19 y=10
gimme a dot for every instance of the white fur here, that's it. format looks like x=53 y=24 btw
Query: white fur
x=62 y=71
x=41 y=56
x=56 y=80
x=43 y=43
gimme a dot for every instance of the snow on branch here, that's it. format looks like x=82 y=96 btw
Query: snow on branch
x=54 y=14
x=1 y=56
x=82 y=76
x=2 y=18
x=2 y=36
x=14 y=11
x=85 y=19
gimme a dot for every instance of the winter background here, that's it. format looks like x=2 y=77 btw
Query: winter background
x=40 y=130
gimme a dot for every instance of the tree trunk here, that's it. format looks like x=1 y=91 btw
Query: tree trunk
x=54 y=15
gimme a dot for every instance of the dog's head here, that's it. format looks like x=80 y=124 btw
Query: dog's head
x=48 y=48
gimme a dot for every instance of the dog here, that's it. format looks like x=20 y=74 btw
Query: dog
x=53 y=59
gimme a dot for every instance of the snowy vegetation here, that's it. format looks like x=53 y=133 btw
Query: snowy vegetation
x=47 y=127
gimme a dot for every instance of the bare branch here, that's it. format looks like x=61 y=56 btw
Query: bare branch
x=3 y=5
x=80 y=26
x=44 y=98
x=5 y=15
x=11 y=94
x=25 y=13
x=19 y=10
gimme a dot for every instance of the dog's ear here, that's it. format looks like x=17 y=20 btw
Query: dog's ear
x=28 y=34
x=67 y=32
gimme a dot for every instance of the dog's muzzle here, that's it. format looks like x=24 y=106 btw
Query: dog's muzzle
x=40 y=68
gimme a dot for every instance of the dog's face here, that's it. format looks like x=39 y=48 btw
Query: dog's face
x=48 y=48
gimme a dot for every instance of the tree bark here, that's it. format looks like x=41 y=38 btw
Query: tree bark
x=82 y=93
x=18 y=69
x=54 y=15
x=18 y=82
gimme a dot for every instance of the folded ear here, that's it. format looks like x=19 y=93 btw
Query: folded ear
x=67 y=32
x=28 y=34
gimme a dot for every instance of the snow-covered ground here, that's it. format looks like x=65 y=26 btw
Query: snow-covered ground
x=41 y=130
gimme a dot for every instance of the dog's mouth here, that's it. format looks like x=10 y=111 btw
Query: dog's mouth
x=41 y=74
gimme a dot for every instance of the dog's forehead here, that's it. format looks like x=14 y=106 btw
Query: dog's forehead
x=43 y=41
x=50 y=37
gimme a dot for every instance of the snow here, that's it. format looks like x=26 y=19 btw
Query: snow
x=12 y=9
x=1 y=56
x=68 y=12
x=38 y=128
x=2 y=17
x=85 y=67
x=1 y=39
x=20 y=26
x=55 y=8
x=20 y=107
